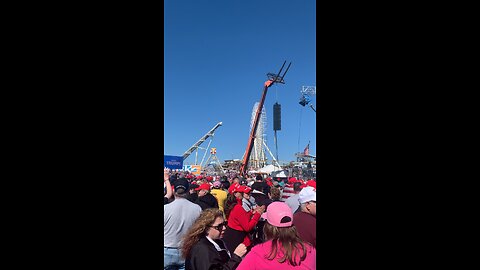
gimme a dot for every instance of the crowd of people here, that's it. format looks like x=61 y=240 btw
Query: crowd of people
x=233 y=222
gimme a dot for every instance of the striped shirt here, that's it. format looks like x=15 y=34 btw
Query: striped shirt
x=287 y=192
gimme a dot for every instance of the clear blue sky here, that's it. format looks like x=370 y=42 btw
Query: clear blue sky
x=217 y=54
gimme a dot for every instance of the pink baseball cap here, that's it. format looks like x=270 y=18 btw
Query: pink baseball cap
x=279 y=214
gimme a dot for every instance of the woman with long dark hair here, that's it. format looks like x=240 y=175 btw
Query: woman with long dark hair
x=283 y=248
x=203 y=248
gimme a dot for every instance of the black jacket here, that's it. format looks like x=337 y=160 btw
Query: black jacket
x=207 y=201
x=204 y=256
x=192 y=197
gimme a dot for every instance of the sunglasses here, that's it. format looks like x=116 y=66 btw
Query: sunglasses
x=220 y=226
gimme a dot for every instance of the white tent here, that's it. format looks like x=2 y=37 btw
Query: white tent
x=269 y=169
x=281 y=174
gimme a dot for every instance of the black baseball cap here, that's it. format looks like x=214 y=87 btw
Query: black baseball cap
x=181 y=183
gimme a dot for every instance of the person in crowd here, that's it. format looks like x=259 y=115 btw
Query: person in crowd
x=236 y=179
x=232 y=187
x=261 y=183
x=192 y=192
x=203 y=248
x=248 y=202
x=220 y=194
x=178 y=217
x=306 y=218
x=288 y=189
x=243 y=181
x=259 y=192
x=274 y=194
x=224 y=178
x=257 y=234
x=283 y=249
x=167 y=186
x=225 y=186
x=241 y=216
x=293 y=202
x=205 y=199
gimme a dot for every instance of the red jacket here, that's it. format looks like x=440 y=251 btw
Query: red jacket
x=241 y=220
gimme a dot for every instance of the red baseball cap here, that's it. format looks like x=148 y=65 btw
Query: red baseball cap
x=292 y=180
x=203 y=186
x=312 y=183
x=231 y=189
x=243 y=189
x=247 y=189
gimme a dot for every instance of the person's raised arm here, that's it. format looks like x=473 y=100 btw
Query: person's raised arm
x=166 y=180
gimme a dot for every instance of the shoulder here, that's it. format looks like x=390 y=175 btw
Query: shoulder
x=238 y=209
x=262 y=249
x=193 y=205
x=190 y=205
x=202 y=246
x=203 y=241
x=301 y=217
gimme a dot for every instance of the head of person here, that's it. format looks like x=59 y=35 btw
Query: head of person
x=193 y=188
x=274 y=194
x=258 y=186
x=280 y=230
x=246 y=192
x=217 y=184
x=298 y=186
x=236 y=180
x=225 y=185
x=181 y=188
x=210 y=223
x=259 y=178
x=203 y=189
x=308 y=200
x=241 y=192
x=243 y=181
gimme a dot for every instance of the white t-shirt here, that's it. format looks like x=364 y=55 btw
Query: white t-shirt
x=178 y=217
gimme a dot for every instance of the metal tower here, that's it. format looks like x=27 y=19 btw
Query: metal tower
x=258 y=159
x=307 y=92
x=213 y=165
x=196 y=146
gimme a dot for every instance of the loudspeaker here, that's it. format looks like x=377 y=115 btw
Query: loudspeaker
x=277 y=119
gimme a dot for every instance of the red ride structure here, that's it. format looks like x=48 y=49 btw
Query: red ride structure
x=272 y=78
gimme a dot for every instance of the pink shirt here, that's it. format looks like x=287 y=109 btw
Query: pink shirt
x=255 y=259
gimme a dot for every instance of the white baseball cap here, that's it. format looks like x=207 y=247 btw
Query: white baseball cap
x=307 y=194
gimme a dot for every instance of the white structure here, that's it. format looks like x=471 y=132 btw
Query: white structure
x=258 y=158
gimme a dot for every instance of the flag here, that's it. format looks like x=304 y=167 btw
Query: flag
x=305 y=151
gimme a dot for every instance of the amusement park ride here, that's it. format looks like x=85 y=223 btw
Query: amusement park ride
x=254 y=140
x=196 y=145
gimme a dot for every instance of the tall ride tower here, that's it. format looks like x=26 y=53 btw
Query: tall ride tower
x=258 y=159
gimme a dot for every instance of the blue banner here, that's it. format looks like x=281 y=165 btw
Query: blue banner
x=173 y=162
